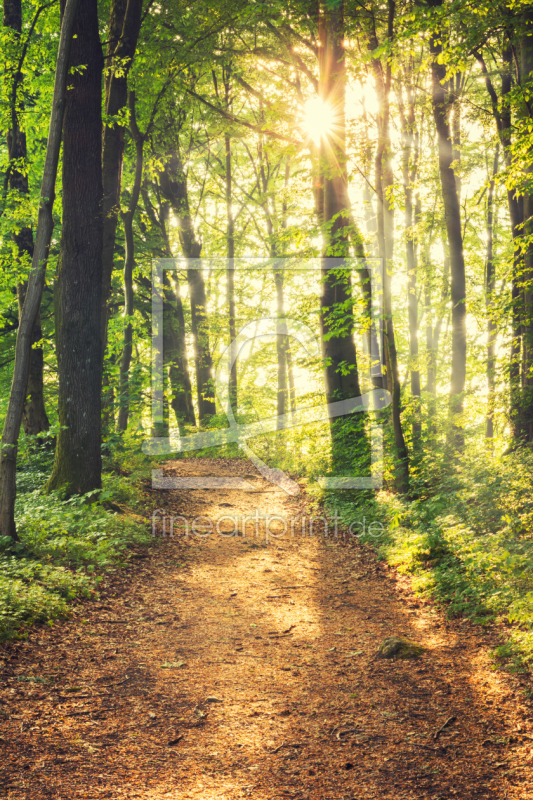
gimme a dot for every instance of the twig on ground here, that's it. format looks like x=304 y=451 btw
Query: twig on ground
x=283 y=744
x=445 y=725
x=439 y=749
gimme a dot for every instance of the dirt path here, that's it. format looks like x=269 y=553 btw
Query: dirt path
x=225 y=667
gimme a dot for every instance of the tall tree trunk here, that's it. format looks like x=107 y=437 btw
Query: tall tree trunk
x=526 y=72
x=78 y=464
x=287 y=348
x=409 y=169
x=282 y=338
x=456 y=83
x=45 y=227
x=490 y=277
x=233 y=396
x=441 y=107
x=385 y=224
x=173 y=183
x=129 y=263
x=501 y=110
x=341 y=375
x=174 y=342
x=175 y=354
x=433 y=331
x=282 y=341
x=123 y=32
x=34 y=417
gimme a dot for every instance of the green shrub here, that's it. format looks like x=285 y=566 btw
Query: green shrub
x=64 y=545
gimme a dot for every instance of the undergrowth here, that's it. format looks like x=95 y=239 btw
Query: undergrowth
x=66 y=544
x=466 y=538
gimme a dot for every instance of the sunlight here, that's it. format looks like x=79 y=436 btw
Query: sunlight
x=361 y=96
x=318 y=119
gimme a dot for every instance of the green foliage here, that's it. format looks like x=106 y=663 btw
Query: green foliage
x=65 y=545
x=467 y=540
x=78 y=531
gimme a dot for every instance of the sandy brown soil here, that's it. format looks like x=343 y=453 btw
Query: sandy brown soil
x=226 y=667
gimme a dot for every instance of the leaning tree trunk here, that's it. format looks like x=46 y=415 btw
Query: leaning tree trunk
x=45 y=227
x=341 y=375
x=34 y=417
x=452 y=212
x=78 y=463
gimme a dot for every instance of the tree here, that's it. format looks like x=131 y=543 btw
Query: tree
x=129 y=262
x=173 y=183
x=125 y=19
x=34 y=417
x=382 y=69
x=32 y=302
x=441 y=102
x=341 y=374
x=78 y=463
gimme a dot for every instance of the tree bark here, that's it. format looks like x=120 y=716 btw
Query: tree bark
x=34 y=417
x=441 y=107
x=45 y=226
x=78 y=464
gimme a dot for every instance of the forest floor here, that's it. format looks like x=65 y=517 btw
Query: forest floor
x=227 y=667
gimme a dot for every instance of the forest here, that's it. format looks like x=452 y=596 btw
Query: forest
x=286 y=245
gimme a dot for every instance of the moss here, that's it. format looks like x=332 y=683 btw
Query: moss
x=399 y=647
